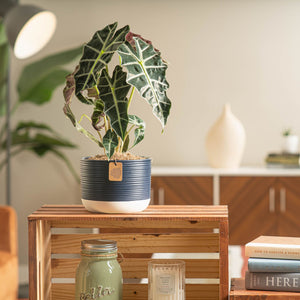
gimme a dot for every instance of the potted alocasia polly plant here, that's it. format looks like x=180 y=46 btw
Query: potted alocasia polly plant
x=117 y=181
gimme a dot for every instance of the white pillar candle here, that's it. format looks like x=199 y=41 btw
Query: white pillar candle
x=166 y=280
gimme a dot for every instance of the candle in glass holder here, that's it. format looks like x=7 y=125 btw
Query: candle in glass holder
x=166 y=280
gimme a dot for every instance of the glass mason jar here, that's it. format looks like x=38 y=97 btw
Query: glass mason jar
x=99 y=275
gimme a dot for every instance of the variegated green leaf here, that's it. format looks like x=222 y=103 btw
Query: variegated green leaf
x=110 y=143
x=146 y=71
x=98 y=115
x=68 y=93
x=113 y=92
x=97 y=54
x=139 y=132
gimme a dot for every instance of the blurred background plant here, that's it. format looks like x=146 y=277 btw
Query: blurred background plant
x=36 y=84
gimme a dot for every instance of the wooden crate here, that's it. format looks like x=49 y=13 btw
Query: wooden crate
x=238 y=292
x=55 y=233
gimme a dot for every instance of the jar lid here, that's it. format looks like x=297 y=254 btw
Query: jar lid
x=99 y=245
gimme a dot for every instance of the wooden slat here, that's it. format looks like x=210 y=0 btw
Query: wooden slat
x=140 y=291
x=33 y=265
x=206 y=212
x=138 y=268
x=141 y=243
x=136 y=224
x=224 y=236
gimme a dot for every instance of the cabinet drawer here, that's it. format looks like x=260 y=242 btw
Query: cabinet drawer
x=179 y=190
x=261 y=205
x=251 y=206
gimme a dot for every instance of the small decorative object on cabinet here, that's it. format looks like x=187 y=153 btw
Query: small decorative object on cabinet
x=225 y=141
x=182 y=230
x=110 y=96
x=290 y=142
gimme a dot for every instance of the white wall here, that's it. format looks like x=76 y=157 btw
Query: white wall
x=243 y=52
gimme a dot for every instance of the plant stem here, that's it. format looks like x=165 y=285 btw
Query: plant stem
x=86 y=116
x=120 y=145
x=130 y=97
x=127 y=133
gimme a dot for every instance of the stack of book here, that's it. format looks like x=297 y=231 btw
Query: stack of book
x=283 y=160
x=273 y=264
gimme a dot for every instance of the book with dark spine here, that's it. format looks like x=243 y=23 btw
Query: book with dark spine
x=273 y=281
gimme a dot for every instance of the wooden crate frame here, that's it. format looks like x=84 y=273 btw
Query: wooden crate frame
x=54 y=256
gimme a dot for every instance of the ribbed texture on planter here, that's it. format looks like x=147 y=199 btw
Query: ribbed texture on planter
x=97 y=189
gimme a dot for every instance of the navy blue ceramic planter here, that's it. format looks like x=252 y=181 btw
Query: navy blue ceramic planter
x=121 y=186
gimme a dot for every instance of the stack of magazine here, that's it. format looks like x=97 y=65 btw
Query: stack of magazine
x=273 y=264
x=283 y=160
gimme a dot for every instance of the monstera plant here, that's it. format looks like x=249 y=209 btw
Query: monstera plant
x=113 y=183
x=141 y=68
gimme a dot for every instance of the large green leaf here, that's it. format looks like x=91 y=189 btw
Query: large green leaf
x=38 y=80
x=97 y=54
x=139 y=132
x=3 y=37
x=36 y=135
x=146 y=71
x=40 y=139
x=27 y=125
x=44 y=89
x=113 y=92
x=110 y=143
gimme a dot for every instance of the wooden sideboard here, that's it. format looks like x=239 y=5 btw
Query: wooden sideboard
x=260 y=200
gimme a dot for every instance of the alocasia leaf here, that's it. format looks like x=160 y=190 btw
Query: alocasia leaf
x=139 y=132
x=110 y=143
x=113 y=92
x=146 y=71
x=97 y=54
x=98 y=115
x=68 y=93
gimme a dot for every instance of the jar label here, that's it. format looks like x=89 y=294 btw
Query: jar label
x=97 y=293
x=165 y=284
x=115 y=172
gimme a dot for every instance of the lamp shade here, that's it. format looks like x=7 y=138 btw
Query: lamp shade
x=29 y=28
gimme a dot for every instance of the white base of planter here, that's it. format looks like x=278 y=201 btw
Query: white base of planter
x=115 y=207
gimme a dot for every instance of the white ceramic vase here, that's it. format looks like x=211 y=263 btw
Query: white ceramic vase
x=225 y=141
x=290 y=144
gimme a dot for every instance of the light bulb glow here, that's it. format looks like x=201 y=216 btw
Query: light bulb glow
x=35 y=34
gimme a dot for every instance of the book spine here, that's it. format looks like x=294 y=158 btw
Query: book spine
x=273 y=265
x=275 y=251
x=273 y=281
